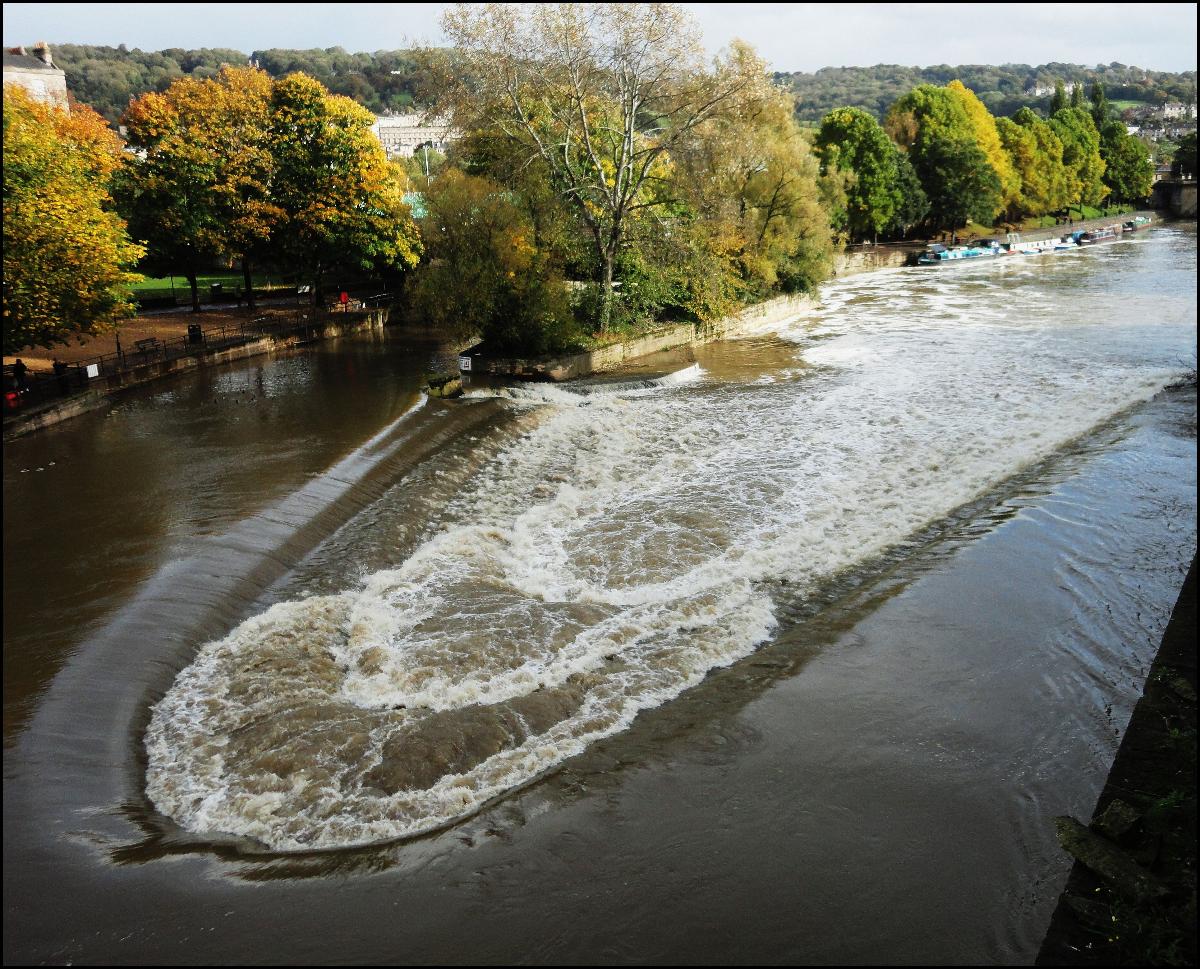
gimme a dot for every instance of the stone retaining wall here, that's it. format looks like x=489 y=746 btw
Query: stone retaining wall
x=570 y=366
x=103 y=388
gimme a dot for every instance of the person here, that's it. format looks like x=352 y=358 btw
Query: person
x=19 y=372
x=60 y=372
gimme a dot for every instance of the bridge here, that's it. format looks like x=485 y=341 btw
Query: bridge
x=1178 y=195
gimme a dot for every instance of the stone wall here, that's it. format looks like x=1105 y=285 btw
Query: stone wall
x=761 y=316
x=102 y=389
x=868 y=260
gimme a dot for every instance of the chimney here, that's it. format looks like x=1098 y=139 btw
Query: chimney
x=41 y=50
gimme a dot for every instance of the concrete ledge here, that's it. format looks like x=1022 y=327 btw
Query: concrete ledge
x=571 y=366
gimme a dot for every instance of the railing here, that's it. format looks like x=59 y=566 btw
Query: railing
x=75 y=378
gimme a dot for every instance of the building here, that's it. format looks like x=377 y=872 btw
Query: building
x=1174 y=110
x=35 y=71
x=1044 y=90
x=402 y=134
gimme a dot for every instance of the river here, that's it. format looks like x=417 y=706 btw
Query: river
x=789 y=655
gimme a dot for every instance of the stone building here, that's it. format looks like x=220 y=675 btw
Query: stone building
x=35 y=71
x=402 y=134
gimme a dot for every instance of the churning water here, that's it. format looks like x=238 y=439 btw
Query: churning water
x=623 y=540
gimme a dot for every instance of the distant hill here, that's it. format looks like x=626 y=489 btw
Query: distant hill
x=107 y=77
x=1004 y=89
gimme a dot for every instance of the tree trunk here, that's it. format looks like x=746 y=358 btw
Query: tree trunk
x=191 y=278
x=249 y=284
x=606 y=292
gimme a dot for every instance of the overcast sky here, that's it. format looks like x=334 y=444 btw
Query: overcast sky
x=793 y=36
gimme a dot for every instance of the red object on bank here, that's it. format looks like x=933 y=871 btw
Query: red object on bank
x=344 y=298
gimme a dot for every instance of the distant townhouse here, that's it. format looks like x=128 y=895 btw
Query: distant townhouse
x=1040 y=89
x=1175 y=110
x=35 y=72
x=402 y=134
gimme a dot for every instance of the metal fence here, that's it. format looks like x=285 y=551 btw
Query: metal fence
x=77 y=377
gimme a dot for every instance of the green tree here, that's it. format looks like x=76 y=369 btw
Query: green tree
x=484 y=276
x=67 y=256
x=851 y=140
x=596 y=95
x=933 y=126
x=1082 y=163
x=1128 y=170
x=914 y=203
x=1185 y=157
x=1101 y=109
x=1059 y=101
x=968 y=187
x=340 y=202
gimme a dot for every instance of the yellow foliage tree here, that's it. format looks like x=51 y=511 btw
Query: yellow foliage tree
x=67 y=257
x=988 y=140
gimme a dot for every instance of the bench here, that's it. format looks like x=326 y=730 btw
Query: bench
x=147 y=346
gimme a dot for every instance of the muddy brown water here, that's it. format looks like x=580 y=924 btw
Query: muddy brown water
x=789 y=657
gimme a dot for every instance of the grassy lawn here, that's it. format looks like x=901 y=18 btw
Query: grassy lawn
x=1046 y=221
x=161 y=288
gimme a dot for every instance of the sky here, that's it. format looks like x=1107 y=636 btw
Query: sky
x=792 y=36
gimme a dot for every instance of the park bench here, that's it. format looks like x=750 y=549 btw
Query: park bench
x=147 y=346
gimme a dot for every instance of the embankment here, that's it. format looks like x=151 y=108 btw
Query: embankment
x=103 y=389
x=1131 y=895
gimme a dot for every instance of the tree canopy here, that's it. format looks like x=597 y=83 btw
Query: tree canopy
x=611 y=104
x=67 y=257
x=238 y=166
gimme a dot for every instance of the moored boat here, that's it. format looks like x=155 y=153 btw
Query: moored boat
x=1136 y=224
x=1091 y=237
x=938 y=254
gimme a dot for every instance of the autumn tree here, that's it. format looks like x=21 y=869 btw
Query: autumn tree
x=988 y=139
x=340 y=202
x=932 y=125
x=67 y=256
x=1082 y=162
x=597 y=95
x=745 y=188
x=485 y=275
x=198 y=188
x=1037 y=158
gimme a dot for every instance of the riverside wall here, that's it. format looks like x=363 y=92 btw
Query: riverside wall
x=573 y=365
x=104 y=389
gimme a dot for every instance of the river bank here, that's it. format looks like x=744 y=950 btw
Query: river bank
x=852 y=262
x=1131 y=895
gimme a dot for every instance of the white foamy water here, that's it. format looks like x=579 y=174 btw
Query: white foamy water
x=628 y=542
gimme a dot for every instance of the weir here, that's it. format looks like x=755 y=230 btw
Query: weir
x=877 y=575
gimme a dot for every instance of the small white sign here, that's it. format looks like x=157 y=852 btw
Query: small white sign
x=93 y=370
x=464 y=363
